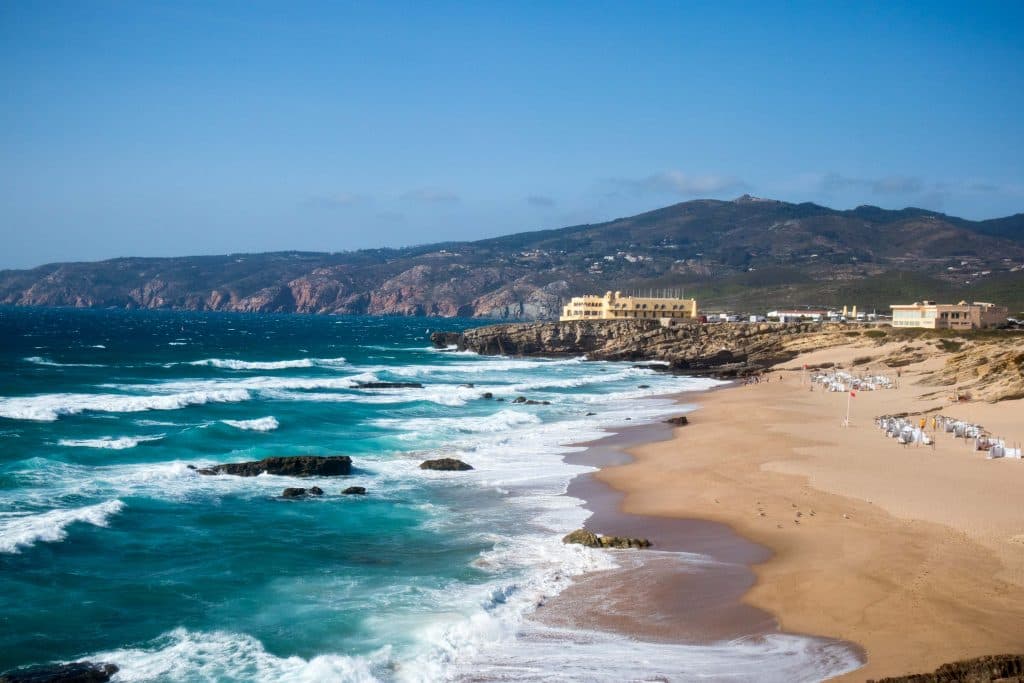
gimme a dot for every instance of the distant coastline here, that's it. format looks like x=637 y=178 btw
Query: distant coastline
x=746 y=254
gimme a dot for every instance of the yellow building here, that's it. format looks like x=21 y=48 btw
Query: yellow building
x=961 y=316
x=614 y=306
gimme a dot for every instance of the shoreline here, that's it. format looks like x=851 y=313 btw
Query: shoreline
x=914 y=554
x=690 y=587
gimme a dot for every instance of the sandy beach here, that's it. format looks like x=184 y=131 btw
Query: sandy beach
x=915 y=553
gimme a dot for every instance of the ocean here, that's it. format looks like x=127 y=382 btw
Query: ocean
x=112 y=548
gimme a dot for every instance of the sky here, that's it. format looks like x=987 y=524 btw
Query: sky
x=136 y=128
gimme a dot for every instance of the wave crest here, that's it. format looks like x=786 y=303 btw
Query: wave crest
x=19 y=531
x=113 y=443
x=260 y=424
x=50 y=407
x=236 y=364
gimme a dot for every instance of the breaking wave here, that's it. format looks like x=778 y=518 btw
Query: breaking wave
x=50 y=407
x=19 y=531
x=261 y=424
x=113 y=443
x=235 y=364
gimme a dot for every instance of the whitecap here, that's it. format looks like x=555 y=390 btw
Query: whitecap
x=261 y=424
x=236 y=364
x=50 y=407
x=19 y=531
x=39 y=360
x=113 y=443
x=183 y=655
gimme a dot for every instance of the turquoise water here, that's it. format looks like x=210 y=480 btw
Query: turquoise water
x=112 y=548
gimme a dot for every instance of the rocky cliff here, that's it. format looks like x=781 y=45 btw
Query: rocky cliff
x=983 y=364
x=721 y=349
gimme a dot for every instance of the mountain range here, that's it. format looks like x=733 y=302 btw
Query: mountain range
x=745 y=254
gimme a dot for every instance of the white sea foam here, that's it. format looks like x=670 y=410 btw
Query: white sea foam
x=496 y=422
x=182 y=655
x=258 y=383
x=50 y=407
x=484 y=364
x=39 y=360
x=110 y=442
x=19 y=531
x=465 y=630
x=235 y=364
x=261 y=424
x=541 y=653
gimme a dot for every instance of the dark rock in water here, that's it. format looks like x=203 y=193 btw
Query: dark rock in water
x=500 y=399
x=592 y=540
x=354 y=491
x=191 y=467
x=628 y=419
x=443 y=340
x=446 y=464
x=487 y=395
x=589 y=414
x=293 y=493
x=988 y=669
x=467 y=385
x=389 y=385
x=681 y=420
x=295 y=466
x=316 y=491
x=643 y=386
x=530 y=402
x=75 y=672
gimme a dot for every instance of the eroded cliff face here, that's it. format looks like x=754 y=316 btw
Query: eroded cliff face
x=719 y=349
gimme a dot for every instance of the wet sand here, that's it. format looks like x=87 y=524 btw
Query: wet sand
x=913 y=553
x=916 y=554
x=688 y=588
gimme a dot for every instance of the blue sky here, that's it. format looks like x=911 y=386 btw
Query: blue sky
x=174 y=128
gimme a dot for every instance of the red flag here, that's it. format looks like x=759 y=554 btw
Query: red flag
x=853 y=393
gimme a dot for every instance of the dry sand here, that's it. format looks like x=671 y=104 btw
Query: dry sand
x=915 y=553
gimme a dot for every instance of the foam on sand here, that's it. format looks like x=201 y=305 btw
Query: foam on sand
x=19 y=531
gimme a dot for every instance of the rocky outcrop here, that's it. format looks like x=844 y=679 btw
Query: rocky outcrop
x=389 y=385
x=725 y=349
x=354 y=491
x=75 y=672
x=530 y=402
x=445 y=464
x=678 y=421
x=989 y=669
x=592 y=540
x=295 y=466
x=295 y=492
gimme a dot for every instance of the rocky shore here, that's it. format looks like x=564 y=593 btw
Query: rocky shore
x=724 y=350
x=989 y=364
